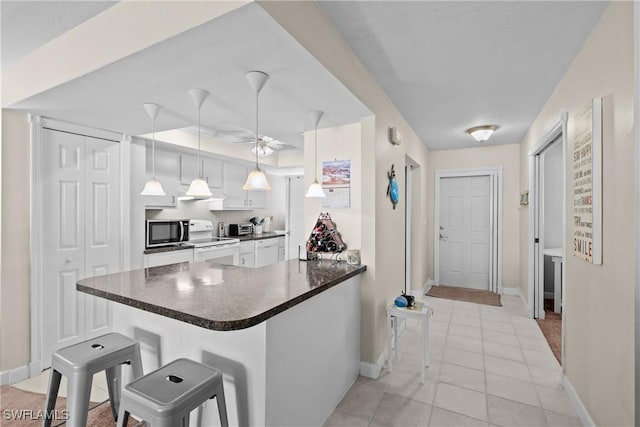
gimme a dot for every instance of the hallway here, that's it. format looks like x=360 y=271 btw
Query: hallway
x=490 y=366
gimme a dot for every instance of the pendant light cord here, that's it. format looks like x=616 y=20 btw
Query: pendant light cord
x=199 y=162
x=257 y=137
x=315 y=159
x=153 y=147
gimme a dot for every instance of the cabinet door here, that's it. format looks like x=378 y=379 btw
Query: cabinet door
x=213 y=172
x=167 y=172
x=256 y=199
x=166 y=258
x=266 y=252
x=234 y=178
x=247 y=260
x=189 y=169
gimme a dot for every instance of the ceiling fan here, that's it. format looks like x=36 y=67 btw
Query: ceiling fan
x=237 y=135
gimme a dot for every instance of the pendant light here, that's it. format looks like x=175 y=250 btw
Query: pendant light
x=257 y=180
x=315 y=190
x=199 y=187
x=153 y=186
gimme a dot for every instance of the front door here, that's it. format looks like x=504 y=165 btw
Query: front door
x=81 y=234
x=464 y=232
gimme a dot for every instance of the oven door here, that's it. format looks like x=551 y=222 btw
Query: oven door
x=161 y=233
x=228 y=254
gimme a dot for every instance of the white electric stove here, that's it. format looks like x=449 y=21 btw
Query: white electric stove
x=207 y=247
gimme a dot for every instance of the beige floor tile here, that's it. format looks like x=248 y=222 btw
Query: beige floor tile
x=508 y=388
x=464 y=343
x=374 y=383
x=410 y=364
x=465 y=331
x=546 y=376
x=465 y=321
x=560 y=420
x=463 y=377
x=400 y=411
x=492 y=325
x=342 y=419
x=40 y=384
x=409 y=385
x=527 y=328
x=537 y=344
x=436 y=351
x=361 y=400
x=540 y=358
x=496 y=316
x=498 y=337
x=436 y=326
x=507 y=368
x=463 y=358
x=556 y=400
x=505 y=412
x=503 y=351
x=461 y=400
x=443 y=418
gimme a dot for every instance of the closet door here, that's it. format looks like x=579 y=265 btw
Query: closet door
x=81 y=234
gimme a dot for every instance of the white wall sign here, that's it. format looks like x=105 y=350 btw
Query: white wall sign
x=586 y=129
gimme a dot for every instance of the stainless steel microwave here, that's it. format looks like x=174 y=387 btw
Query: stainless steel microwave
x=162 y=232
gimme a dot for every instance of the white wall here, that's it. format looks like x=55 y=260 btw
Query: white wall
x=599 y=299
x=506 y=156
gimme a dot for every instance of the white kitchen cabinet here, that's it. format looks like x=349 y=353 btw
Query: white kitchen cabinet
x=256 y=199
x=266 y=252
x=166 y=258
x=234 y=177
x=247 y=254
x=212 y=170
x=281 y=250
x=167 y=173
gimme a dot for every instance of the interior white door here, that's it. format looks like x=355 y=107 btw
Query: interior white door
x=464 y=232
x=295 y=217
x=81 y=234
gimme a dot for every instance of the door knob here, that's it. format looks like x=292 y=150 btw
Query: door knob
x=441 y=227
x=443 y=237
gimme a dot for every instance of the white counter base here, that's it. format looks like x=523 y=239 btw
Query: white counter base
x=291 y=370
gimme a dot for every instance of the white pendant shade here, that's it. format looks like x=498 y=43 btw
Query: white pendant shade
x=315 y=191
x=256 y=181
x=153 y=188
x=199 y=189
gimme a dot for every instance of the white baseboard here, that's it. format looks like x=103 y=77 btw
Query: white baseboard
x=372 y=370
x=428 y=284
x=15 y=375
x=511 y=291
x=35 y=368
x=581 y=410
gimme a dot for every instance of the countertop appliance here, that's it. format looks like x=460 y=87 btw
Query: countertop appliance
x=207 y=247
x=165 y=232
x=240 y=229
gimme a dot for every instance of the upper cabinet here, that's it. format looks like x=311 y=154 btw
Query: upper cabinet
x=167 y=171
x=212 y=170
x=236 y=198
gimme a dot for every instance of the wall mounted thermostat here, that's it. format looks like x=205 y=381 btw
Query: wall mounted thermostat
x=394 y=136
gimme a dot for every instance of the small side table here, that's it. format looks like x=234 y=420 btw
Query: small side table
x=420 y=312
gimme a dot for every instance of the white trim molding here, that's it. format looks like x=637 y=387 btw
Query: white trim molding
x=581 y=410
x=372 y=370
x=427 y=286
x=495 y=254
x=15 y=375
x=636 y=25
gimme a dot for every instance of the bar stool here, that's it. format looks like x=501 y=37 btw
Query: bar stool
x=166 y=396
x=79 y=362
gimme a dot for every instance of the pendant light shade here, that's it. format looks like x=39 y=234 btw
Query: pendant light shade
x=153 y=186
x=315 y=190
x=257 y=180
x=199 y=188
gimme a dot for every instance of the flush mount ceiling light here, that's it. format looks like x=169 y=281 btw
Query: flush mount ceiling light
x=199 y=187
x=153 y=186
x=257 y=180
x=315 y=190
x=482 y=133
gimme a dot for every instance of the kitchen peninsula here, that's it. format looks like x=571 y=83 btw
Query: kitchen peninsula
x=286 y=336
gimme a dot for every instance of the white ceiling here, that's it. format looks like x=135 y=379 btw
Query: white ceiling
x=448 y=66
x=214 y=56
x=27 y=25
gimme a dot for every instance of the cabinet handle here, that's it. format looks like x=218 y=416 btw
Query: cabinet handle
x=242 y=261
x=250 y=202
x=173 y=200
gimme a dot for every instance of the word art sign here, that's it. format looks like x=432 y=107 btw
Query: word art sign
x=586 y=129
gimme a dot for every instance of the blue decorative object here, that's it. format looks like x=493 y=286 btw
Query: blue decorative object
x=392 y=190
x=401 y=302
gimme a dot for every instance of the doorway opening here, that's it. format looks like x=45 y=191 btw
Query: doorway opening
x=468 y=228
x=294 y=219
x=547 y=211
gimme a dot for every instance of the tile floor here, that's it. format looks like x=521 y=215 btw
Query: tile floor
x=491 y=366
x=40 y=384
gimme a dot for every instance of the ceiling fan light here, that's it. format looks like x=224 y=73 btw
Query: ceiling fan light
x=153 y=188
x=263 y=150
x=198 y=189
x=315 y=191
x=482 y=133
x=256 y=181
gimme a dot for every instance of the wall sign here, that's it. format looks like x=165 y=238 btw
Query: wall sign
x=586 y=130
x=336 y=183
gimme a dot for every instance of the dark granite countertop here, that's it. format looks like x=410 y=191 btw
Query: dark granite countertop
x=220 y=297
x=180 y=247
x=269 y=235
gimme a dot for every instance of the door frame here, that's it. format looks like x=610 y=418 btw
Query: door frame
x=558 y=130
x=36 y=123
x=409 y=166
x=495 y=214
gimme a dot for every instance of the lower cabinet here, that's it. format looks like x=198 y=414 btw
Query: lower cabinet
x=166 y=258
x=247 y=254
x=266 y=252
x=281 y=251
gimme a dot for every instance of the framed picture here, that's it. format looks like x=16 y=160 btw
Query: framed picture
x=336 y=183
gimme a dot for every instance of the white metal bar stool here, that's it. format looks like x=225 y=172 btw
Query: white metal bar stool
x=166 y=396
x=79 y=362
x=419 y=312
